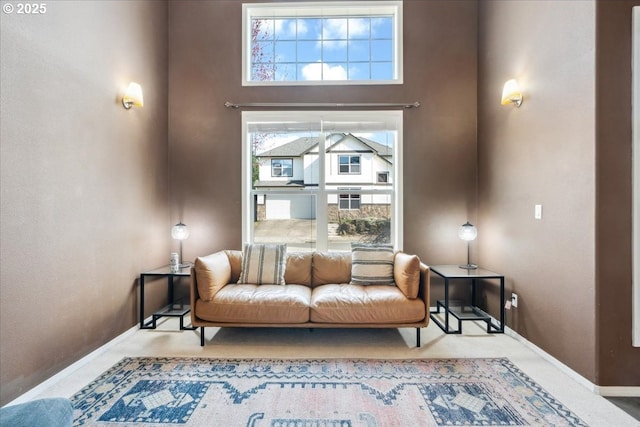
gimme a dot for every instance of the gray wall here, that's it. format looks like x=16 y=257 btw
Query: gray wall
x=83 y=181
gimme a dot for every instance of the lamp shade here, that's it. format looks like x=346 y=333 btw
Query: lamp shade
x=133 y=96
x=467 y=232
x=179 y=231
x=511 y=93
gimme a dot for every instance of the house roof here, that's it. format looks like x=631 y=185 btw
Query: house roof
x=300 y=146
x=294 y=148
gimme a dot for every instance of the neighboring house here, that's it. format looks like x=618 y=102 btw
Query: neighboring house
x=353 y=166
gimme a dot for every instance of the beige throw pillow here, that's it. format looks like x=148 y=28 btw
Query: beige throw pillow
x=371 y=264
x=263 y=264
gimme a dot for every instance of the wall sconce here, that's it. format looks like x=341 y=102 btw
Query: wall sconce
x=511 y=93
x=132 y=96
x=468 y=232
x=180 y=232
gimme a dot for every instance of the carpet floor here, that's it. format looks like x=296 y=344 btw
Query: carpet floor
x=197 y=392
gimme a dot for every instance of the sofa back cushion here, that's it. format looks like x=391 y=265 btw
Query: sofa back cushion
x=331 y=268
x=212 y=274
x=406 y=271
x=298 y=269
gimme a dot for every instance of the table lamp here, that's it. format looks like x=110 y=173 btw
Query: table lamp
x=180 y=232
x=468 y=232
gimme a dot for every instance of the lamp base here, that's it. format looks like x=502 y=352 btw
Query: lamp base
x=468 y=266
x=186 y=264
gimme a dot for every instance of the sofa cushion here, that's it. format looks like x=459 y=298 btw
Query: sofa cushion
x=371 y=264
x=262 y=304
x=298 y=269
x=212 y=274
x=406 y=273
x=331 y=267
x=263 y=264
x=372 y=304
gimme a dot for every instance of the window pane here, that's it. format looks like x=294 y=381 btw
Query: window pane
x=382 y=28
x=334 y=51
x=381 y=71
x=359 y=28
x=359 y=71
x=359 y=50
x=286 y=218
x=309 y=29
x=309 y=51
x=334 y=29
x=334 y=71
x=381 y=50
x=262 y=29
x=285 y=51
x=367 y=221
x=263 y=52
x=263 y=72
x=285 y=29
x=311 y=71
x=284 y=71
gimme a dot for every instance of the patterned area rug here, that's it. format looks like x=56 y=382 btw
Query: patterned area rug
x=317 y=393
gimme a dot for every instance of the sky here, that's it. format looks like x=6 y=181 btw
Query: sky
x=326 y=48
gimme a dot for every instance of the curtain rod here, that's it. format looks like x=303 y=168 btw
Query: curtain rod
x=322 y=105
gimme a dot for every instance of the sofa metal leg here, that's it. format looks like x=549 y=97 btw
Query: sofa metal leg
x=417 y=337
x=201 y=336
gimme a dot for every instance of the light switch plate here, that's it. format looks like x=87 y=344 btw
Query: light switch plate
x=538 y=212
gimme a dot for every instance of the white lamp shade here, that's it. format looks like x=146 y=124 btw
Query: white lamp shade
x=467 y=232
x=511 y=93
x=133 y=96
x=179 y=231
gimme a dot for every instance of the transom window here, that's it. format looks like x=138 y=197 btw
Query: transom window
x=349 y=164
x=322 y=43
x=282 y=167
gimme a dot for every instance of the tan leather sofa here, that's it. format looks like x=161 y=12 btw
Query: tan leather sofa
x=317 y=294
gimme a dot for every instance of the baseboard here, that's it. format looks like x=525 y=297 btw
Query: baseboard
x=617 y=391
x=37 y=390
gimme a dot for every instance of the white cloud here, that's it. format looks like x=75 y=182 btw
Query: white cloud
x=342 y=28
x=322 y=71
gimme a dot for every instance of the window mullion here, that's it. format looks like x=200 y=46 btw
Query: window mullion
x=322 y=217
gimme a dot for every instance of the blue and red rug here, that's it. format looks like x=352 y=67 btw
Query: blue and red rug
x=210 y=392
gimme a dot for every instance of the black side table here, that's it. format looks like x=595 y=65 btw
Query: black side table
x=173 y=309
x=459 y=310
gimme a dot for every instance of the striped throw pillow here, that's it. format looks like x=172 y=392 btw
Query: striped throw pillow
x=371 y=264
x=263 y=264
